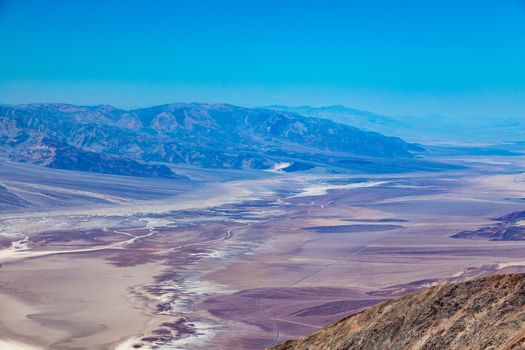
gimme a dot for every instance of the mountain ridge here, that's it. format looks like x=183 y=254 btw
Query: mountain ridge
x=201 y=134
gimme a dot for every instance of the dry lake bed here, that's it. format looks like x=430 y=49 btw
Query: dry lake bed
x=238 y=264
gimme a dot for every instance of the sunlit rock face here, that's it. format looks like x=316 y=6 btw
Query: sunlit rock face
x=479 y=314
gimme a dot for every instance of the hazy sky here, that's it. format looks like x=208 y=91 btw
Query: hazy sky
x=458 y=58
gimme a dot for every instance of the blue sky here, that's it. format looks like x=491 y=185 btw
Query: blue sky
x=460 y=58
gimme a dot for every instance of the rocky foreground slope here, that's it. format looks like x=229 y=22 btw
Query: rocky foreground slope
x=486 y=313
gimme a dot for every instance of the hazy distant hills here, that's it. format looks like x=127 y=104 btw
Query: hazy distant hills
x=346 y=115
x=143 y=142
x=426 y=129
x=486 y=313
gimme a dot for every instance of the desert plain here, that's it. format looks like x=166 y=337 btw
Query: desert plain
x=240 y=260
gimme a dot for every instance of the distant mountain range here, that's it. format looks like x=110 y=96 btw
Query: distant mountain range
x=430 y=129
x=345 y=115
x=144 y=142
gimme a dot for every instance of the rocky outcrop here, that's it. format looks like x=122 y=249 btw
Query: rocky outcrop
x=508 y=228
x=486 y=313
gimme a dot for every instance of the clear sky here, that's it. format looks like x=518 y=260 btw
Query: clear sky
x=458 y=58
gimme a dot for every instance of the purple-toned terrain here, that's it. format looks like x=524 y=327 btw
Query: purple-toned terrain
x=138 y=263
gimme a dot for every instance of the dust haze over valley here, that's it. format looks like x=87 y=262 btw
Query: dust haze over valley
x=185 y=175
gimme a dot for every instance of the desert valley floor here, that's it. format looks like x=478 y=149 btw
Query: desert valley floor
x=133 y=263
